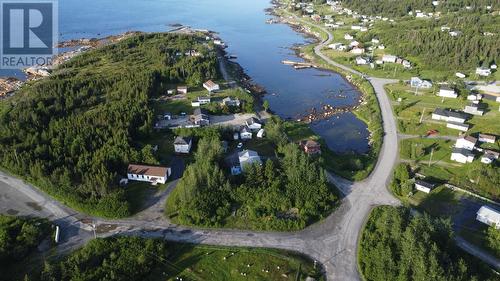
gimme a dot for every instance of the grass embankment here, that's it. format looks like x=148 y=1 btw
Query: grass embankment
x=476 y=176
x=354 y=166
x=148 y=259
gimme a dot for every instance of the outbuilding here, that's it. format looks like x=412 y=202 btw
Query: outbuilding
x=183 y=144
x=424 y=186
x=447 y=92
x=466 y=142
x=489 y=216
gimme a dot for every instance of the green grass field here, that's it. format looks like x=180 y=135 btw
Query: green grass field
x=201 y=262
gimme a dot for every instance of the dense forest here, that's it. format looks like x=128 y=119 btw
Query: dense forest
x=110 y=259
x=74 y=133
x=393 y=8
x=399 y=245
x=285 y=193
x=435 y=49
x=19 y=237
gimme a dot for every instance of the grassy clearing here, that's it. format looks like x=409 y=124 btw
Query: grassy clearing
x=225 y=263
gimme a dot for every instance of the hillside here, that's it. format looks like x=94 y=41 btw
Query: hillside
x=73 y=133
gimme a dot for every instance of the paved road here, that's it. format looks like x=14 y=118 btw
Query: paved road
x=332 y=242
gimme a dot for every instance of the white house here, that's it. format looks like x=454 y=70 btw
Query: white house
x=354 y=43
x=489 y=156
x=381 y=47
x=182 y=89
x=362 y=61
x=211 y=86
x=483 y=71
x=447 y=93
x=466 y=142
x=489 y=216
x=253 y=123
x=183 y=144
x=200 y=117
x=204 y=100
x=389 y=58
x=462 y=155
x=335 y=46
x=195 y=103
x=449 y=116
x=230 y=101
x=375 y=41
x=487 y=138
x=457 y=126
x=460 y=75
x=474 y=97
x=348 y=36
x=424 y=186
x=146 y=173
x=474 y=109
x=245 y=133
x=357 y=51
x=355 y=27
x=416 y=82
x=248 y=157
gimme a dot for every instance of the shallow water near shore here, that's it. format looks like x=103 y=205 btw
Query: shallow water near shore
x=260 y=48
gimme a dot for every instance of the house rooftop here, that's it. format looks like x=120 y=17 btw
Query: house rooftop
x=486 y=136
x=470 y=139
x=200 y=111
x=489 y=213
x=210 y=83
x=155 y=171
x=252 y=120
x=462 y=151
x=425 y=184
x=182 y=140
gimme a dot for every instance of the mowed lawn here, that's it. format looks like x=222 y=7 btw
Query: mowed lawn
x=201 y=262
x=411 y=107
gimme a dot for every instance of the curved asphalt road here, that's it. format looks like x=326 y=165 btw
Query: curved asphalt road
x=332 y=242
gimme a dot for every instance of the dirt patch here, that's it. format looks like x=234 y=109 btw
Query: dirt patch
x=34 y=206
x=105 y=228
x=12 y=212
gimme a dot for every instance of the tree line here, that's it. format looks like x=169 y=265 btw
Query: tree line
x=285 y=193
x=398 y=245
x=74 y=133
x=476 y=45
x=401 y=8
x=18 y=238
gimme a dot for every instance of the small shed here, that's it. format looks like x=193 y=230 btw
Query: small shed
x=489 y=216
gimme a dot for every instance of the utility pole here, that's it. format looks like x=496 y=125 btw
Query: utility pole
x=430 y=160
x=422 y=116
x=93 y=229
x=416 y=91
x=395 y=68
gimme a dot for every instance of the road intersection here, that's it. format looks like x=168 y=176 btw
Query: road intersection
x=332 y=242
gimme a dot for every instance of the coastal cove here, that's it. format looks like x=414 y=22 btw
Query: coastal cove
x=260 y=48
